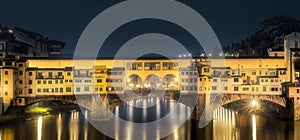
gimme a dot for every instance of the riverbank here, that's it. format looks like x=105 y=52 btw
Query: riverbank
x=10 y=119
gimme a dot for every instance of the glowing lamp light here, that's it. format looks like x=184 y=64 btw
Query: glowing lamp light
x=254 y=103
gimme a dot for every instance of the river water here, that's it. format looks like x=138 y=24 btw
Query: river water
x=226 y=125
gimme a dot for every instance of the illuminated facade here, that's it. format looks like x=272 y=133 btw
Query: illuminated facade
x=44 y=77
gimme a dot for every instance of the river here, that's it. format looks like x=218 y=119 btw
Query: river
x=226 y=125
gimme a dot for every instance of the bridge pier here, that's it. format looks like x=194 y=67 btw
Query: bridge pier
x=293 y=108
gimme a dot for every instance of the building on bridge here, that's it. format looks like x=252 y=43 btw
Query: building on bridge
x=31 y=78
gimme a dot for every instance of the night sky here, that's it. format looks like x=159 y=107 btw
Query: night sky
x=232 y=20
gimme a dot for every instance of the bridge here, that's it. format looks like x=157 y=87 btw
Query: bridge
x=101 y=101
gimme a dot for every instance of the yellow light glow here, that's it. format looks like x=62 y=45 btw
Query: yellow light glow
x=254 y=103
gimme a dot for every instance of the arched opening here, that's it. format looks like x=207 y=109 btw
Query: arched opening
x=134 y=82
x=267 y=107
x=152 y=82
x=170 y=82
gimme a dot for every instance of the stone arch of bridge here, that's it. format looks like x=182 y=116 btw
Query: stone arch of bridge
x=276 y=99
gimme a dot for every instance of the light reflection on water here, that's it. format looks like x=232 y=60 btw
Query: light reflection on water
x=226 y=125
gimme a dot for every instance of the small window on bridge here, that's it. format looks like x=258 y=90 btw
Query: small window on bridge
x=214 y=88
x=30 y=91
x=236 y=88
x=86 y=89
x=236 y=80
x=264 y=89
x=298 y=91
x=206 y=69
x=225 y=88
x=78 y=89
x=68 y=89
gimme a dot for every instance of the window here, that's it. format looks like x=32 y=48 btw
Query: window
x=61 y=90
x=56 y=81
x=236 y=80
x=20 y=72
x=86 y=89
x=44 y=82
x=69 y=73
x=50 y=82
x=99 y=80
x=68 y=89
x=29 y=82
x=66 y=81
x=56 y=89
x=262 y=80
x=20 y=82
x=88 y=81
x=30 y=73
x=39 y=90
x=6 y=93
x=253 y=73
x=61 y=81
x=6 y=82
x=276 y=89
x=264 y=89
x=215 y=80
x=206 y=69
x=39 y=82
x=6 y=72
x=236 y=89
x=96 y=89
x=214 y=88
x=77 y=89
x=182 y=73
x=59 y=74
x=266 y=80
x=70 y=81
x=152 y=66
x=225 y=88
x=45 y=90
x=50 y=74
x=245 y=89
x=298 y=91
x=30 y=91
x=243 y=74
x=101 y=89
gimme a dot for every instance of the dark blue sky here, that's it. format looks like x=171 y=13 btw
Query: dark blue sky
x=232 y=20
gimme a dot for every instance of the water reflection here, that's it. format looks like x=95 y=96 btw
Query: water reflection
x=226 y=125
x=39 y=128
x=253 y=127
